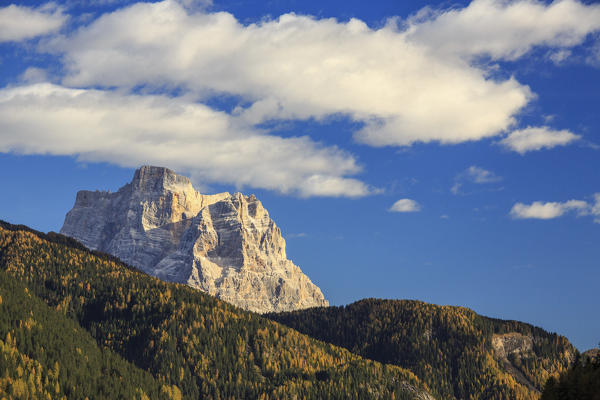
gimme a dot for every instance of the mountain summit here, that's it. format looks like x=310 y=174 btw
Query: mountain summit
x=223 y=244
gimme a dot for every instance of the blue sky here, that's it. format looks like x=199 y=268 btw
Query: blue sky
x=444 y=151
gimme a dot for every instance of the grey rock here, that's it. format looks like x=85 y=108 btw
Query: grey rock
x=517 y=345
x=223 y=244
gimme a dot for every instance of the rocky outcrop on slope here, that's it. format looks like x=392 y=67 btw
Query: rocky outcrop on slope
x=511 y=343
x=224 y=244
x=516 y=345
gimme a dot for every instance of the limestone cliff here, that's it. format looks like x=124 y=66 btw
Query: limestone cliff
x=226 y=245
x=514 y=347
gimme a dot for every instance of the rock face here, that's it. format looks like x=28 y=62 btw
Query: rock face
x=511 y=343
x=223 y=244
x=516 y=345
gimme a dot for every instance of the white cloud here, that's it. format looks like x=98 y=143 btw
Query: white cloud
x=131 y=130
x=559 y=56
x=21 y=23
x=505 y=29
x=296 y=67
x=593 y=57
x=480 y=175
x=595 y=211
x=407 y=84
x=455 y=189
x=473 y=174
x=537 y=138
x=551 y=210
x=405 y=205
x=196 y=4
x=34 y=75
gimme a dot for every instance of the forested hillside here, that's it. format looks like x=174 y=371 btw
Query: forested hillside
x=190 y=344
x=457 y=353
x=45 y=355
x=580 y=382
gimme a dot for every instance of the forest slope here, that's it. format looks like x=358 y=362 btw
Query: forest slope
x=45 y=355
x=189 y=342
x=580 y=382
x=457 y=353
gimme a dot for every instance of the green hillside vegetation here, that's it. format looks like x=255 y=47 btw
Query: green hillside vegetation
x=580 y=382
x=45 y=355
x=449 y=348
x=192 y=344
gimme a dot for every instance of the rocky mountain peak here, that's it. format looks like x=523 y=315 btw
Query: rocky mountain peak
x=224 y=244
x=150 y=179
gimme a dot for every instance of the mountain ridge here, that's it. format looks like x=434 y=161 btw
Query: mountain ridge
x=472 y=347
x=193 y=344
x=458 y=353
x=224 y=244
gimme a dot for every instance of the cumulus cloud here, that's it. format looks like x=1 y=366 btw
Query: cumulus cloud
x=537 y=138
x=405 y=205
x=130 y=130
x=405 y=82
x=550 y=210
x=296 y=67
x=473 y=174
x=21 y=23
x=505 y=30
